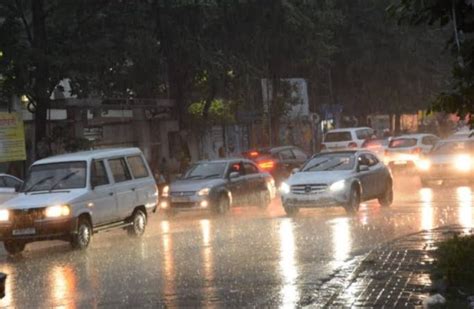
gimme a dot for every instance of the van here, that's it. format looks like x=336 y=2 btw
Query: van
x=345 y=139
x=72 y=196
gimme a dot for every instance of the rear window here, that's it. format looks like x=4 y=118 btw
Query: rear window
x=138 y=167
x=403 y=142
x=338 y=136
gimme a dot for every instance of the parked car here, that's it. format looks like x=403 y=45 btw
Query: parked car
x=449 y=160
x=377 y=146
x=278 y=161
x=343 y=178
x=404 y=151
x=345 y=139
x=71 y=196
x=218 y=185
x=9 y=185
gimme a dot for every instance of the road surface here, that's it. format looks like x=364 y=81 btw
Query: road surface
x=249 y=258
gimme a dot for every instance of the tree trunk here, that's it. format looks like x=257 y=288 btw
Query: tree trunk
x=398 y=118
x=41 y=91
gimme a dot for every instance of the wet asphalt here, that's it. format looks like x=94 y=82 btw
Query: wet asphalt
x=249 y=258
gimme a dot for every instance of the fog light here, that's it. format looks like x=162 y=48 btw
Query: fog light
x=204 y=204
x=164 y=205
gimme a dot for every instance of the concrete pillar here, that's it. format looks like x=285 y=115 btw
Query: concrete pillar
x=141 y=128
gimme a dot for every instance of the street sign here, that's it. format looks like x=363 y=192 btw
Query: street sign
x=12 y=137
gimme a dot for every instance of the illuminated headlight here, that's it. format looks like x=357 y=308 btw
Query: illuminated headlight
x=284 y=188
x=4 y=215
x=337 y=186
x=204 y=192
x=463 y=163
x=166 y=191
x=57 y=211
x=423 y=165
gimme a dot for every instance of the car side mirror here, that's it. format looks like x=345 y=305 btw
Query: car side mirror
x=234 y=175
x=363 y=168
x=295 y=170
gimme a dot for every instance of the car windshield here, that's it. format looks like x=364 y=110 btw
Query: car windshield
x=454 y=147
x=330 y=162
x=206 y=170
x=403 y=142
x=338 y=136
x=52 y=176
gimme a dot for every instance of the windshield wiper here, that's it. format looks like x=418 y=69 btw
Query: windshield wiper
x=38 y=183
x=211 y=176
x=315 y=165
x=62 y=179
x=334 y=166
x=194 y=177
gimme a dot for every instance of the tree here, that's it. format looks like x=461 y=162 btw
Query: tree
x=457 y=16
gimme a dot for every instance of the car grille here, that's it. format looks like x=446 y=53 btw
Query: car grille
x=309 y=188
x=23 y=218
x=183 y=193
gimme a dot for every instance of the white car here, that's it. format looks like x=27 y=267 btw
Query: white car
x=9 y=185
x=71 y=196
x=348 y=138
x=462 y=134
x=404 y=151
x=343 y=178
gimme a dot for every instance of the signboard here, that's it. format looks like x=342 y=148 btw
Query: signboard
x=12 y=137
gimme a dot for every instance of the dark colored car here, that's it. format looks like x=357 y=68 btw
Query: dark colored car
x=278 y=161
x=449 y=160
x=218 y=185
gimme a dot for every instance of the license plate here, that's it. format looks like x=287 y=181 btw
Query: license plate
x=180 y=199
x=28 y=231
x=400 y=162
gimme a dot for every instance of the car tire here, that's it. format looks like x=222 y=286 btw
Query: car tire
x=222 y=205
x=353 y=203
x=264 y=199
x=81 y=239
x=14 y=247
x=139 y=221
x=291 y=211
x=386 y=199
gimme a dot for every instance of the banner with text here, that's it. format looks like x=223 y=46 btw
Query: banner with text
x=12 y=137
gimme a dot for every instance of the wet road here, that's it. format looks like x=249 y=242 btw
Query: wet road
x=249 y=258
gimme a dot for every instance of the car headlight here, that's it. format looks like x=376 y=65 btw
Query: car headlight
x=423 y=165
x=284 y=188
x=337 y=186
x=463 y=163
x=4 y=215
x=204 y=192
x=166 y=191
x=57 y=211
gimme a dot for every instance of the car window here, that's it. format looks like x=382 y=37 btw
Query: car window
x=236 y=168
x=98 y=174
x=362 y=134
x=119 y=170
x=250 y=168
x=203 y=170
x=368 y=159
x=59 y=175
x=138 y=167
x=428 y=140
x=338 y=136
x=286 y=154
x=330 y=162
x=403 y=142
x=300 y=155
x=10 y=182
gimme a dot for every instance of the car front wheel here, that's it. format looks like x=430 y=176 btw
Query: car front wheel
x=14 y=247
x=353 y=203
x=264 y=200
x=82 y=238
x=386 y=199
x=222 y=205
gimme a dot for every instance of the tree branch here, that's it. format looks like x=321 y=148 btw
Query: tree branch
x=25 y=22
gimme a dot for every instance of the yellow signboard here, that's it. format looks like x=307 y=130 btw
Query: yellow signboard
x=12 y=137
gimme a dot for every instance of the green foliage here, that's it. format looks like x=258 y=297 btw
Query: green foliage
x=454 y=260
x=220 y=112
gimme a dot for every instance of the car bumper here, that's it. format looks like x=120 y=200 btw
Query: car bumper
x=192 y=203
x=39 y=230
x=319 y=200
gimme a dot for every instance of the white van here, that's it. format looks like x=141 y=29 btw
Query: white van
x=72 y=196
x=347 y=138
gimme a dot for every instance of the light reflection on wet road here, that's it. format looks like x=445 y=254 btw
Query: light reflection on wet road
x=251 y=257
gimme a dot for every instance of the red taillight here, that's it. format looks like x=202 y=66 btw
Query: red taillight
x=254 y=154
x=416 y=150
x=352 y=145
x=266 y=165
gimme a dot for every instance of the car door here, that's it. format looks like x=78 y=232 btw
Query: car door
x=254 y=181
x=124 y=187
x=102 y=201
x=145 y=188
x=287 y=162
x=237 y=185
x=367 y=178
x=379 y=175
x=8 y=186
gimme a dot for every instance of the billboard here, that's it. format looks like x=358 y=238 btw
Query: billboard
x=12 y=137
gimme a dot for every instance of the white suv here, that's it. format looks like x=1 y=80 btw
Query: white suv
x=344 y=139
x=71 y=196
x=405 y=150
